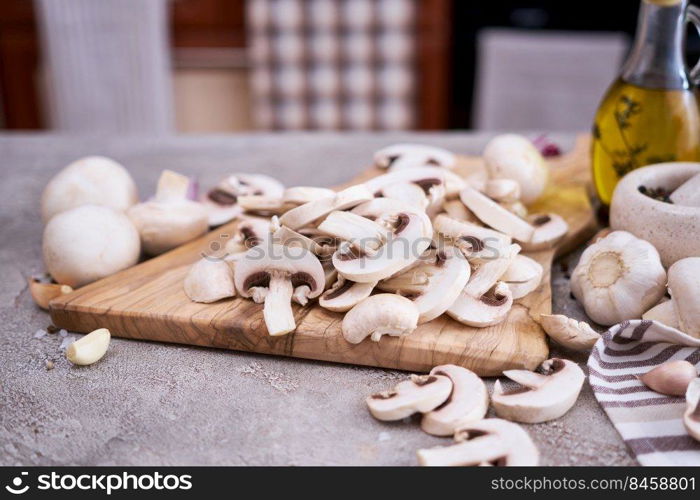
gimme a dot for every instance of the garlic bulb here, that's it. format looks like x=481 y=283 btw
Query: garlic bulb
x=619 y=277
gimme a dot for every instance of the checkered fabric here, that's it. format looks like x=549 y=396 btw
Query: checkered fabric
x=332 y=64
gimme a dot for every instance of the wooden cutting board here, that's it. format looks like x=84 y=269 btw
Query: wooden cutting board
x=147 y=302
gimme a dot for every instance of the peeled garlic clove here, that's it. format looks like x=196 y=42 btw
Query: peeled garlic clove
x=43 y=293
x=90 y=348
x=671 y=378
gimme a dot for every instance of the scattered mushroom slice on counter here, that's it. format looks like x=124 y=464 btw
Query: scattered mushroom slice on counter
x=306 y=214
x=377 y=315
x=671 y=378
x=43 y=293
x=344 y=295
x=170 y=219
x=275 y=275
x=420 y=394
x=474 y=241
x=399 y=156
x=222 y=201
x=432 y=286
x=684 y=287
x=494 y=215
x=523 y=276
x=93 y=180
x=549 y=230
x=572 y=334
x=664 y=312
x=468 y=402
x=486 y=442
x=543 y=397
x=209 y=281
x=618 y=278
x=512 y=156
x=691 y=417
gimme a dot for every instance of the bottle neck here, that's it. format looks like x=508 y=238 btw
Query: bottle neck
x=656 y=60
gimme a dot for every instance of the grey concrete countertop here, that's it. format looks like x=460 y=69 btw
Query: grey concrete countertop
x=157 y=404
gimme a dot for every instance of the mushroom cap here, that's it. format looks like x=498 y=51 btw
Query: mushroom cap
x=377 y=315
x=166 y=225
x=512 y=156
x=487 y=441
x=93 y=180
x=89 y=242
x=421 y=393
x=209 y=281
x=684 y=286
x=545 y=398
x=468 y=402
x=302 y=267
x=409 y=155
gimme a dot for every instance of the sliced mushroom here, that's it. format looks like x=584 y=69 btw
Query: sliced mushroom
x=308 y=213
x=222 y=201
x=43 y=293
x=684 y=286
x=691 y=417
x=250 y=232
x=275 y=275
x=494 y=215
x=663 y=312
x=544 y=396
x=363 y=234
x=382 y=314
x=476 y=242
x=209 y=281
x=572 y=334
x=411 y=234
x=489 y=309
x=300 y=195
x=407 y=192
x=523 y=276
x=422 y=393
x=399 y=156
x=285 y=236
x=344 y=295
x=549 y=230
x=467 y=403
x=262 y=205
x=490 y=441
x=432 y=286
x=503 y=190
x=516 y=208
x=431 y=180
x=456 y=210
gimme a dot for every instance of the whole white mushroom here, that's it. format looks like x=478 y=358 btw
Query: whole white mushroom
x=86 y=243
x=512 y=156
x=93 y=180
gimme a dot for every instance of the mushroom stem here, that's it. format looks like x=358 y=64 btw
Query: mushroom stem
x=277 y=311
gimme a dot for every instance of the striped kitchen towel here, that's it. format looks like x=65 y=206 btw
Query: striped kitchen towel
x=650 y=423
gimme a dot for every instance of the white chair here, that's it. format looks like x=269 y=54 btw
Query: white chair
x=106 y=65
x=550 y=81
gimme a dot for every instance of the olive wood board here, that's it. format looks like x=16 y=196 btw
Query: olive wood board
x=147 y=302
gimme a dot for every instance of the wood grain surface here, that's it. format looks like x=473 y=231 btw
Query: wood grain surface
x=147 y=302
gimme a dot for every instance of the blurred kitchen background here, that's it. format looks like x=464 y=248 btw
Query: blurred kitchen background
x=202 y=66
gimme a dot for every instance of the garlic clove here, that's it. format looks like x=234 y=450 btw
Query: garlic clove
x=572 y=334
x=43 y=293
x=671 y=378
x=89 y=349
x=691 y=418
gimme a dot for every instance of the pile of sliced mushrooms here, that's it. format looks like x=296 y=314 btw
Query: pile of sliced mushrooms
x=423 y=239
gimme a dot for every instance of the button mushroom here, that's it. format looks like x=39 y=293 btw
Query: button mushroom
x=432 y=286
x=344 y=295
x=399 y=156
x=381 y=314
x=523 y=276
x=684 y=286
x=512 y=156
x=275 y=275
x=494 y=215
x=422 y=393
x=250 y=232
x=549 y=229
x=209 y=281
x=544 y=396
x=618 y=278
x=221 y=202
x=94 y=180
x=467 y=403
x=430 y=180
x=691 y=418
x=170 y=219
x=476 y=242
x=89 y=242
x=487 y=442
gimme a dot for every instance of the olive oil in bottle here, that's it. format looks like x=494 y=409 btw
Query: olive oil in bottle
x=650 y=114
